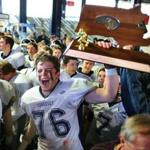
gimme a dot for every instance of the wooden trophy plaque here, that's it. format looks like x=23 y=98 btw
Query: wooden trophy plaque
x=125 y=26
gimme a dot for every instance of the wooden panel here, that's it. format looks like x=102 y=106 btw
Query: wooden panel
x=113 y=56
x=129 y=31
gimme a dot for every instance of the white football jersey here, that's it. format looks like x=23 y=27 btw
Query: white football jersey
x=31 y=74
x=65 y=76
x=56 y=116
x=17 y=59
x=6 y=92
x=28 y=61
x=21 y=84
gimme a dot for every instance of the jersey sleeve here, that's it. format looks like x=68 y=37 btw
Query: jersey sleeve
x=25 y=101
x=17 y=60
x=7 y=93
x=79 y=89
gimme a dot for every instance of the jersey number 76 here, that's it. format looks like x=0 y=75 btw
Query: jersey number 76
x=61 y=127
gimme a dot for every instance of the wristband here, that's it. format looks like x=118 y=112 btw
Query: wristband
x=111 y=72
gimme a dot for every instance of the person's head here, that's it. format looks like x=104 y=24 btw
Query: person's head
x=101 y=76
x=58 y=48
x=57 y=52
x=25 y=42
x=7 y=71
x=135 y=133
x=70 y=64
x=41 y=45
x=6 y=43
x=46 y=49
x=53 y=37
x=32 y=49
x=48 y=72
x=87 y=66
x=43 y=32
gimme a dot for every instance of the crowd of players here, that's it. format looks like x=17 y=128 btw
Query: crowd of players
x=50 y=101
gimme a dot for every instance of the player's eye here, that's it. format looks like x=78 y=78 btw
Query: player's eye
x=39 y=71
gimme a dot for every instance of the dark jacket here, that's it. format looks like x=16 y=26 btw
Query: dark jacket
x=135 y=91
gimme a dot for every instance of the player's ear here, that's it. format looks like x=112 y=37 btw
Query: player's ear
x=58 y=74
x=122 y=139
x=63 y=65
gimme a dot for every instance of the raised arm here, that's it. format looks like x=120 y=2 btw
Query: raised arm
x=108 y=92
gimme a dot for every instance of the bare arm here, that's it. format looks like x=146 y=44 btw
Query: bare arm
x=8 y=122
x=27 y=138
x=7 y=117
x=108 y=92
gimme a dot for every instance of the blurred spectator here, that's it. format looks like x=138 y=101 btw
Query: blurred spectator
x=69 y=69
x=17 y=59
x=43 y=37
x=86 y=69
x=7 y=96
x=135 y=133
x=20 y=83
x=32 y=49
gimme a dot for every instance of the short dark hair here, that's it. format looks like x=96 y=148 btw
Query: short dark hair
x=9 y=40
x=134 y=125
x=6 y=67
x=34 y=44
x=102 y=69
x=66 y=59
x=47 y=57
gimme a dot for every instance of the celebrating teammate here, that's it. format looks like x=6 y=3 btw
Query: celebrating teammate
x=52 y=106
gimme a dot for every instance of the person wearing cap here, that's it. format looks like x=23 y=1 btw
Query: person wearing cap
x=17 y=59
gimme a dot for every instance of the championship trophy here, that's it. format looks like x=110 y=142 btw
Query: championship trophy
x=127 y=27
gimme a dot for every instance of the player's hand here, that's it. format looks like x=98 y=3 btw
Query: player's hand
x=104 y=44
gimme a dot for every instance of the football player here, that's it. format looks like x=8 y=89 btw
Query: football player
x=53 y=105
x=17 y=59
x=7 y=96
